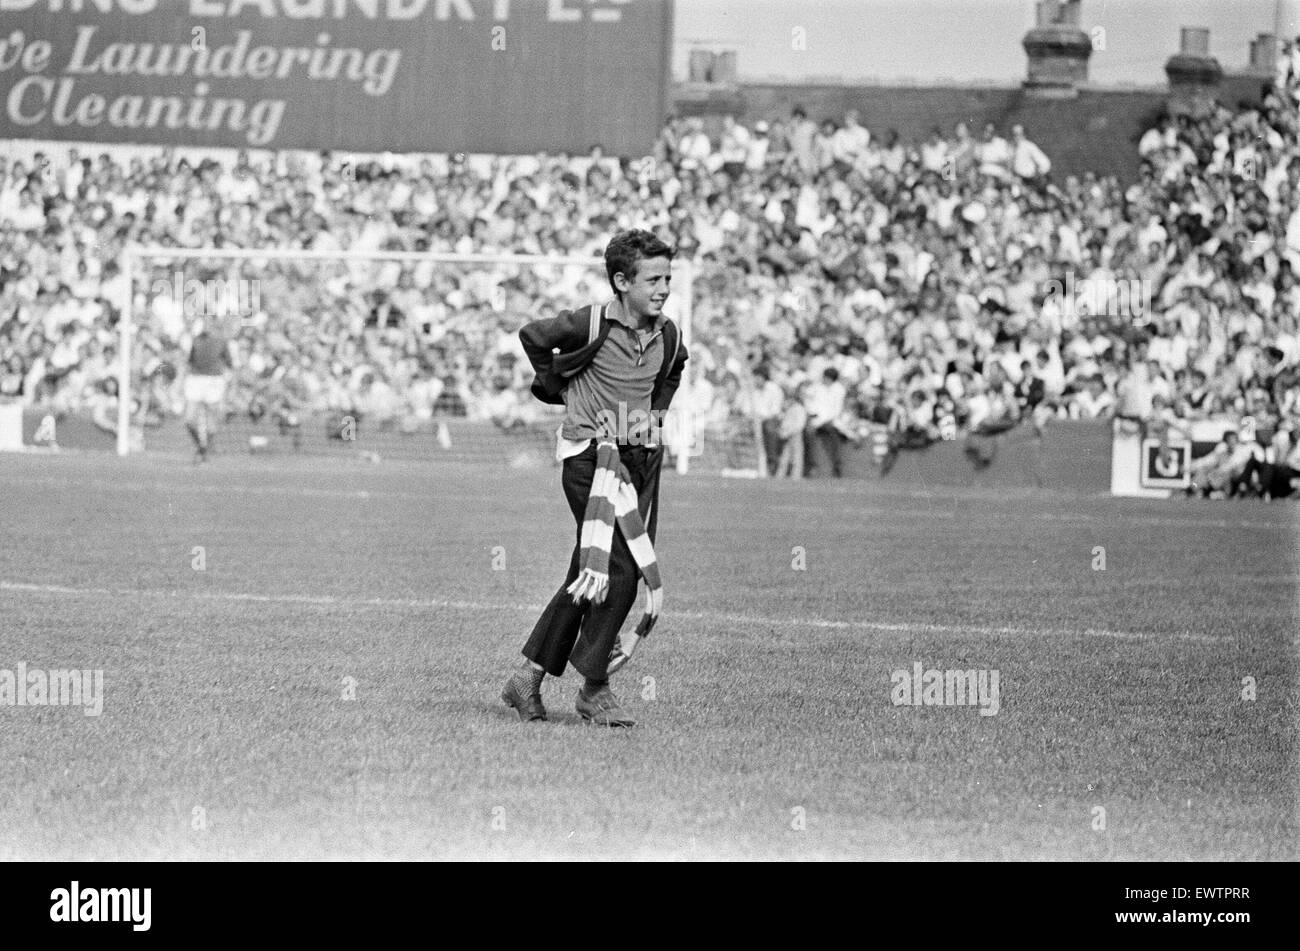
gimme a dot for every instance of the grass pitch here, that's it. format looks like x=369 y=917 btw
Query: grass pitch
x=764 y=695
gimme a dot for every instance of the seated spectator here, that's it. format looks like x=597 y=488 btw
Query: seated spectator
x=1220 y=473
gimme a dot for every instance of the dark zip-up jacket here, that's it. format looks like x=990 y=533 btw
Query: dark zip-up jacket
x=558 y=350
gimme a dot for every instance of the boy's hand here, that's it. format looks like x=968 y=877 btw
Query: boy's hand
x=622 y=652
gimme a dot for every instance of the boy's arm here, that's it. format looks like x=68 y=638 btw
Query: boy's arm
x=541 y=337
x=546 y=340
x=672 y=380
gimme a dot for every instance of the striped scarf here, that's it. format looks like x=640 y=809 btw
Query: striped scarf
x=612 y=499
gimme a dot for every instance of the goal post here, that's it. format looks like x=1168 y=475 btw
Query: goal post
x=137 y=259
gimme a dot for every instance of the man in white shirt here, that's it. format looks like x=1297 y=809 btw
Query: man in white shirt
x=825 y=407
x=993 y=153
x=1151 y=232
x=850 y=141
x=695 y=147
x=1157 y=138
x=1027 y=159
x=934 y=152
x=766 y=404
x=759 y=143
x=1093 y=401
x=1135 y=394
x=801 y=133
x=734 y=148
x=28 y=214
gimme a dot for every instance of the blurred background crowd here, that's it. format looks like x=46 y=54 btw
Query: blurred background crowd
x=847 y=283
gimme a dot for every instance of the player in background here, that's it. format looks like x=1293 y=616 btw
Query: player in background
x=205 y=386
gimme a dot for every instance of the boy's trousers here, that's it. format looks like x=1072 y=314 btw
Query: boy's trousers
x=585 y=634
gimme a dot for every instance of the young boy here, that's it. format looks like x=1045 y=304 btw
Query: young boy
x=621 y=361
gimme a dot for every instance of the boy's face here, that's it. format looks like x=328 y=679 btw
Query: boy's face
x=645 y=294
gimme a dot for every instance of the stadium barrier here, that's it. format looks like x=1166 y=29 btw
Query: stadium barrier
x=728 y=447
x=452 y=438
x=1069 y=455
x=1072 y=455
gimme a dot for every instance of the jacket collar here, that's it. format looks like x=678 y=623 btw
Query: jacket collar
x=614 y=313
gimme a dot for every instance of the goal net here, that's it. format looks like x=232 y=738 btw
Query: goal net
x=377 y=353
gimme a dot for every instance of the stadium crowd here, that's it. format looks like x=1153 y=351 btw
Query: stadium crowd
x=848 y=282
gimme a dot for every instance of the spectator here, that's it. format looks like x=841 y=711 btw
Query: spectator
x=825 y=420
x=768 y=401
x=802 y=136
x=735 y=146
x=757 y=150
x=1027 y=160
x=794 y=421
x=1220 y=473
x=849 y=142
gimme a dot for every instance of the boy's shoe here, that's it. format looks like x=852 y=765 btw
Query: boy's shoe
x=529 y=706
x=602 y=708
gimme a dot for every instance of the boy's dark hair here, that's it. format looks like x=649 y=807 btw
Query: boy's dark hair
x=626 y=251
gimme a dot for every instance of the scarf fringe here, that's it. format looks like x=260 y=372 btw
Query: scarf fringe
x=589 y=585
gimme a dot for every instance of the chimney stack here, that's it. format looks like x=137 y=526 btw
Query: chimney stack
x=712 y=65
x=1263 y=54
x=1058 y=51
x=1194 y=75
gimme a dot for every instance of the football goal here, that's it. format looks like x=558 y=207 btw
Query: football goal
x=360 y=348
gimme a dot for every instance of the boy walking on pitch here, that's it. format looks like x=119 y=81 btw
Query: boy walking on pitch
x=615 y=367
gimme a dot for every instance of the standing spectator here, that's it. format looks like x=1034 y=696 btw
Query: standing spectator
x=993 y=153
x=825 y=409
x=759 y=145
x=794 y=421
x=935 y=152
x=1027 y=159
x=734 y=148
x=1092 y=401
x=695 y=148
x=824 y=149
x=767 y=400
x=849 y=142
x=802 y=136
x=1134 y=394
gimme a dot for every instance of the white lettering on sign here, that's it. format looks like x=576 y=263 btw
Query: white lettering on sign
x=557 y=11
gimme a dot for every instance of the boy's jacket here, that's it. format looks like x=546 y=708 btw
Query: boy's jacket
x=569 y=333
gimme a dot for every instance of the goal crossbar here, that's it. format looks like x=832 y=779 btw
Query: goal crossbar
x=141 y=253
